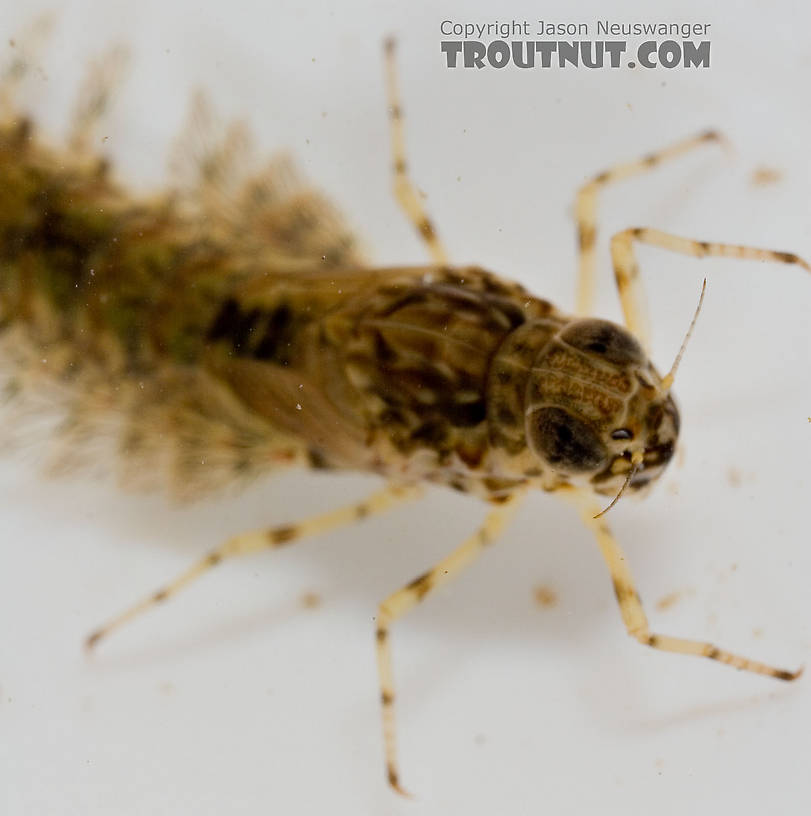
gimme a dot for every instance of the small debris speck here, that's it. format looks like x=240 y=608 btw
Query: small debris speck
x=764 y=176
x=671 y=599
x=310 y=600
x=545 y=596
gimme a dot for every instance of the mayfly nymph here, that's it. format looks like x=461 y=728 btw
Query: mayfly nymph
x=196 y=320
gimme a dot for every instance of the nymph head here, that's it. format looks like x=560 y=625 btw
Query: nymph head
x=597 y=413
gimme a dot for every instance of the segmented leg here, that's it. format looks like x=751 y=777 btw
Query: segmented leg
x=258 y=540
x=633 y=615
x=404 y=190
x=396 y=605
x=626 y=269
x=586 y=208
x=101 y=79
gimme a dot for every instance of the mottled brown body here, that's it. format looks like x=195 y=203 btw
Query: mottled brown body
x=417 y=374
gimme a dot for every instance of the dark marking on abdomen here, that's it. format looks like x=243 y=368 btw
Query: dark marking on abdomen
x=261 y=335
x=278 y=335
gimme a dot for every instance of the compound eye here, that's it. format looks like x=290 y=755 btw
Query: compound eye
x=611 y=342
x=564 y=441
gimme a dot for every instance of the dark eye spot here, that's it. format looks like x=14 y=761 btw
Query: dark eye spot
x=612 y=342
x=565 y=441
x=622 y=433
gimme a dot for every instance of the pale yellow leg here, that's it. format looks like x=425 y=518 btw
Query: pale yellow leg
x=101 y=79
x=396 y=605
x=258 y=540
x=404 y=190
x=633 y=615
x=586 y=209
x=629 y=283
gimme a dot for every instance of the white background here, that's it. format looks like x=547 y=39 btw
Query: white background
x=236 y=699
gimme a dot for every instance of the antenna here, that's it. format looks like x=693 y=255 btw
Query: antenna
x=667 y=381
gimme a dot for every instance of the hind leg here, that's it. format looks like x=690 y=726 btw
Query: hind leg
x=259 y=540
